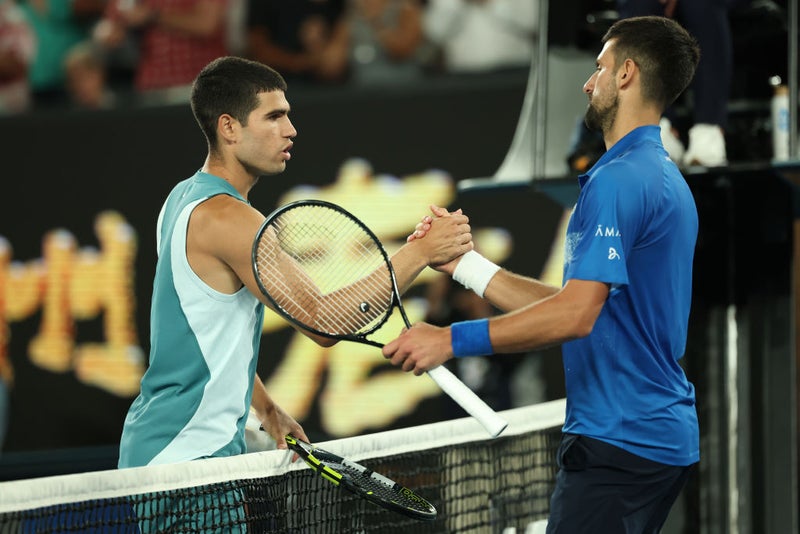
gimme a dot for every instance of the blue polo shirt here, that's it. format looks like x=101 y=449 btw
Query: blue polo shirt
x=634 y=227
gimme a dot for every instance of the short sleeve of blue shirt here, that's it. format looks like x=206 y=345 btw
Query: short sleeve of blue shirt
x=603 y=226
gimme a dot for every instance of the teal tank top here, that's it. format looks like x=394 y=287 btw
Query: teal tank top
x=195 y=394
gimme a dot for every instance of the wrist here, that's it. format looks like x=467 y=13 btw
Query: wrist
x=474 y=272
x=470 y=338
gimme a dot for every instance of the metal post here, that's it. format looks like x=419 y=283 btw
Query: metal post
x=540 y=104
x=794 y=150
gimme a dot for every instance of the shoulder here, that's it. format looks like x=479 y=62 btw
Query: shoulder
x=634 y=171
x=223 y=215
x=221 y=207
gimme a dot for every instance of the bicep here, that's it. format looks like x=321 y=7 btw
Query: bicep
x=585 y=300
x=238 y=249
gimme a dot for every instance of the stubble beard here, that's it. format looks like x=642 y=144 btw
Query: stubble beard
x=601 y=119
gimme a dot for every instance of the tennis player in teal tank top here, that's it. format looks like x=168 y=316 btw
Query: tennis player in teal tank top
x=204 y=365
x=207 y=310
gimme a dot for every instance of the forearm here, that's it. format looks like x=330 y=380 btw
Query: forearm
x=548 y=322
x=508 y=291
x=261 y=402
x=274 y=420
x=407 y=264
x=568 y=314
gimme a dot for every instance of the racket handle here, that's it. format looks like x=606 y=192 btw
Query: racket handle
x=469 y=400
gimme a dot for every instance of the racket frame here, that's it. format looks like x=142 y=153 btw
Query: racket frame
x=314 y=457
x=361 y=337
x=444 y=378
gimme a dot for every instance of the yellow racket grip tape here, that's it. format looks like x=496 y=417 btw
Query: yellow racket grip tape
x=325 y=471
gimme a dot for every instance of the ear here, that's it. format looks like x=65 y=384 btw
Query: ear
x=227 y=128
x=626 y=73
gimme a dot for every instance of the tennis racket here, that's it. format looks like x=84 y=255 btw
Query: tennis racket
x=326 y=272
x=362 y=481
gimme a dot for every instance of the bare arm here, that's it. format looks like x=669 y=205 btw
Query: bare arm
x=451 y=238
x=563 y=316
x=508 y=291
x=568 y=314
x=274 y=420
x=327 y=312
x=219 y=244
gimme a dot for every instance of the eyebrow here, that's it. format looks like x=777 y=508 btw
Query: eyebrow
x=277 y=111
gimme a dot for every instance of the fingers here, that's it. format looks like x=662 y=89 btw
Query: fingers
x=408 y=351
x=420 y=229
x=391 y=351
x=423 y=227
x=439 y=212
x=390 y=348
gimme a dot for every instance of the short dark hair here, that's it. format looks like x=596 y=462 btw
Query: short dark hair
x=230 y=85
x=666 y=54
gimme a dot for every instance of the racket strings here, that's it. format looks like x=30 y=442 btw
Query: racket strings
x=277 y=285
x=338 y=281
x=379 y=486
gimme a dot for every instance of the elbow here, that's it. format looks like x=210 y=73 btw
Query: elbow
x=582 y=329
x=322 y=341
x=325 y=341
x=584 y=325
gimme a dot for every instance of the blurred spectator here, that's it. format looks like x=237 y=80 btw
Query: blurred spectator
x=58 y=26
x=482 y=35
x=707 y=21
x=305 y=40
x=175 y=40
x=17 y=50
x=385 y=37
x=86 y=77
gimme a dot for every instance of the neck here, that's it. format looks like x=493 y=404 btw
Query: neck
x=242 y=181
x=625 y=123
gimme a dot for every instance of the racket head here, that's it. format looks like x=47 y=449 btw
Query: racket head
x=362 y=481
x=310 y=249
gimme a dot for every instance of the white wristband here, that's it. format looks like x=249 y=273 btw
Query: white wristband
x=474 y=272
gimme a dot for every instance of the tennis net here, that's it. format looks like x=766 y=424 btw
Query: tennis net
x=477 y=484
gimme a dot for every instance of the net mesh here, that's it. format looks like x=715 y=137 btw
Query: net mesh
x=477 y=485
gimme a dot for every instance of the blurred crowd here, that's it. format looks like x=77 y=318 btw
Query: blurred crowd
x=95 y=54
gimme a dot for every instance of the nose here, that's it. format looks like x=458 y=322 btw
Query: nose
x=588 y=87
x=291 y=132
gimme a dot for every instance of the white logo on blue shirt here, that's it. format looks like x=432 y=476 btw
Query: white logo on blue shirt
x=570 y=244
x=606 y=231
x=613 y=254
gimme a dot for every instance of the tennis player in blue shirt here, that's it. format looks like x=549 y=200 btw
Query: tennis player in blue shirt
x=631 y=434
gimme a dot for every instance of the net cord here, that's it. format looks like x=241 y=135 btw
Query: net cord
x=49 y=491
